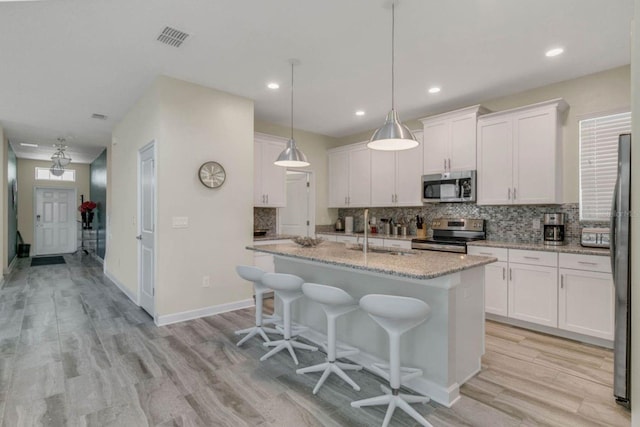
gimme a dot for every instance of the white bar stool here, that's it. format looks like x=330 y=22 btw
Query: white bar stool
x=335 y=302
x=288 y=288
x=396 y=315
x=254 y=274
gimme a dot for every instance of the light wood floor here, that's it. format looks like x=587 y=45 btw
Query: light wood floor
x=75 y=351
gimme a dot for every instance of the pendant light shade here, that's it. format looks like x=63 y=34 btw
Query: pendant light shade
x=291 y=156
x=393 y=135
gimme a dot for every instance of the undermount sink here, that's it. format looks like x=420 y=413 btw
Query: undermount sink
x=381 y=251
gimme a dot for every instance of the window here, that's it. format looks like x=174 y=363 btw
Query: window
x=46 y=175
x=599 y=163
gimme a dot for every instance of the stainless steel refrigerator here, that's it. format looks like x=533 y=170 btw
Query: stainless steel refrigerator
x=621 y=270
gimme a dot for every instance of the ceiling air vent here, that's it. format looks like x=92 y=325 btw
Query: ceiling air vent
x=172 y=37
x=98 y=116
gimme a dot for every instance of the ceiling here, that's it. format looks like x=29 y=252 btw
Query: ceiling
x=63 y=60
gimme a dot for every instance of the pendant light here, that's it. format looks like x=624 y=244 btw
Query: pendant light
x=291 y=157
x=393 y=135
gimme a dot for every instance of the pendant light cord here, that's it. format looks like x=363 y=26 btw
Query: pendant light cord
x=291 y=99
x=393 y=53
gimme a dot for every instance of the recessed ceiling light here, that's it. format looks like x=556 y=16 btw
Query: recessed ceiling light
x=273 y=86
x=434 y=89
x=26 y=144
x=360 y=113
x=554 y=52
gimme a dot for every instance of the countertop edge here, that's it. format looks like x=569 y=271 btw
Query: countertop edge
x=568 y=249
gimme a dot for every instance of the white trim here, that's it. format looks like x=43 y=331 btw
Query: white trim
x=610 y=112
x=133 y=297
x=168 y=319
x=97 y=258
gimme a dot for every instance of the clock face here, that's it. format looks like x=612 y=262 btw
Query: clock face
x=212 y=174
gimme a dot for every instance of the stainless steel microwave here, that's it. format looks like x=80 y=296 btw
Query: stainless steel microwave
x=449 y=187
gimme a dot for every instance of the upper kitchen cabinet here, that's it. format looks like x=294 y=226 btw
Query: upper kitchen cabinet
x=350 y=176
x=396 y=176
x=520 y=155
x=450 y=140
x=268 y=180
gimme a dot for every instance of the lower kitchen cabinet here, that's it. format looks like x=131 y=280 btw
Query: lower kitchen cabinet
x=586 y=303
x=263 y=260
x=567 y=292
x=533 y=294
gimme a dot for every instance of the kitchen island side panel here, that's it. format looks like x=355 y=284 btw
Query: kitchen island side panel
x=447 y=347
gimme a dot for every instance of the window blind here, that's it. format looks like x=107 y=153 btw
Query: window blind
x=599 y=163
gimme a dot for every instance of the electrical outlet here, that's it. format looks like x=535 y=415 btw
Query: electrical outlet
x=536 y=224
x=206 y=282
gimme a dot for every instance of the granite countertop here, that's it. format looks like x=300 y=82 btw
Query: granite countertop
x=372 y=236
x=536 y=246
x=274 y=237
x=414 y=264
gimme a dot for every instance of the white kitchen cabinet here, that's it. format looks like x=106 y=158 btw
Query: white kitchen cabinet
x=396 y=176
x=450 y=140
x=347 y=239
x=350 y=176
x=397 y=244
x=263 y=260
x=520 y=155
x=269 y=188
x=533 y=294
x=586 y=299
x=495 y=279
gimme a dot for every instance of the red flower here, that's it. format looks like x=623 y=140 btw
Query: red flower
x=87 y=206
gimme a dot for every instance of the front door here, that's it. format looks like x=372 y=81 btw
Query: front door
x=55 y=221
x=147 y=203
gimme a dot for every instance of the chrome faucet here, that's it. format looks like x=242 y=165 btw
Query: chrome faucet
x=365 y=242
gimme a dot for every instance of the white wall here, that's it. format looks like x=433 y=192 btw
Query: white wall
x=315 y=147
x=600 y=92
x=26 y=184
x=191 y=124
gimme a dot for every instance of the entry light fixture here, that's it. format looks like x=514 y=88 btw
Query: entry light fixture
x=291 y=156
x=393 y=135
x=59 y=158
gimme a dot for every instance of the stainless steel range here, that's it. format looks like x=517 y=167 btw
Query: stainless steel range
x=452 y=235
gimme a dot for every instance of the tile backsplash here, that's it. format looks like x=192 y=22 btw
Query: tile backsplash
x=504 y=223
x=265 y=219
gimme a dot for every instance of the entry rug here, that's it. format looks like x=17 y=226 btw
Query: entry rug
x=47 y=260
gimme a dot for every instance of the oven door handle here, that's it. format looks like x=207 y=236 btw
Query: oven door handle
x=439 y=247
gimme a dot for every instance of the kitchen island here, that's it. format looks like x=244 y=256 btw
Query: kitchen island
x=447 y=347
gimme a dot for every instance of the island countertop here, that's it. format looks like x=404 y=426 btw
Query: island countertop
x=410 y=264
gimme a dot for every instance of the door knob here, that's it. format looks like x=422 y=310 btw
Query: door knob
x=139 y=237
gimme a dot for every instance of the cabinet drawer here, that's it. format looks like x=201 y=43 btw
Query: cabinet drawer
x=500 y=253
x=374 y=241
x=346 y=239
x=586 y=262
x=399 y=244
x=549 y=259
x=327 y=237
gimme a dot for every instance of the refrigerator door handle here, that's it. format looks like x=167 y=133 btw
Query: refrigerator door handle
x=612 y=228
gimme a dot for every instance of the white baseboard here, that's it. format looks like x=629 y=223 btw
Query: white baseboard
x=11 y=266
x=97 y=258
x=168 y=319
x=133 y=297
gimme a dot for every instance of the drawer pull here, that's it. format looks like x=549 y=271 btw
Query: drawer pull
x=562 y=281
x=510 y=274
x=587 y=263
x=485 y=253
x=531 y=257
x=504 y=273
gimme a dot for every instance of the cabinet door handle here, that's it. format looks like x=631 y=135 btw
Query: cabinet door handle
x=345 y=200
x=531 y=257
x=449 y=160
x=562 y=281
x=510 y=274
x=392 y=198
x=504 y=273
x=267 y=199
x=488 y=254
x=509 y=193
x=587 y=263
x=514 y=193
x=445 y=164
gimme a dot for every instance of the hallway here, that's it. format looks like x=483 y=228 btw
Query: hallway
x=75 y=351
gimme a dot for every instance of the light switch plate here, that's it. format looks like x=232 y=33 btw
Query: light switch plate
x=536 y=224
x=180 y=222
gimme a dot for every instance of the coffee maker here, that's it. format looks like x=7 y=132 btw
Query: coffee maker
x=554 y=229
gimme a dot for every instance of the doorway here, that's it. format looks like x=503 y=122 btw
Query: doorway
x=146 y=227
x=298 y=217
x=55 y=225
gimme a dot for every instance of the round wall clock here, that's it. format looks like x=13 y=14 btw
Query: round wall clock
x=212 y=174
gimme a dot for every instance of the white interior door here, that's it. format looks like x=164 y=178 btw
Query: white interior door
x=295 y=218
x=147 y=219
x=55 y=221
